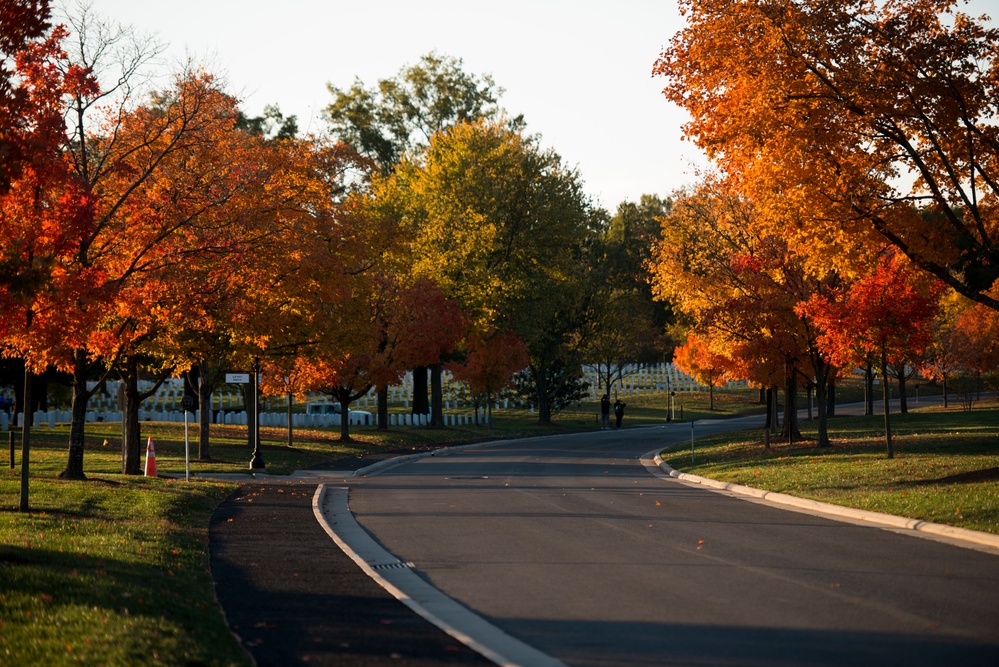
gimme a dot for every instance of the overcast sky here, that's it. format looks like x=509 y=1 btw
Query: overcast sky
x=579 y=71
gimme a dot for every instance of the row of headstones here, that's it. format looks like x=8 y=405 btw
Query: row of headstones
x=642 y=381
x=167 y=397
x=53 y=417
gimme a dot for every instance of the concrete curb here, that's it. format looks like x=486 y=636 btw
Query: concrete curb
x=877 y=518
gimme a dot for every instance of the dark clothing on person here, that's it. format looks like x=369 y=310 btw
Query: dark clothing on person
x=619 y=412
x=605 y=411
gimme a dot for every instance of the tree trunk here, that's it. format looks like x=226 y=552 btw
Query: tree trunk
x=421 y=401
x=831 y=400
x=711 y=397
x=383 y=409
x=436 y=395
x=887 y=399
x=74 y=463
x=791 y=432
x=205 y=387
x=489 y=409
x=344 y=418
x=131 y=445
x=769 y=424
x=903 y=403
x=869 y=390
x=25 y=444
x=821 y=388
x=19 y=387
x=544 y=409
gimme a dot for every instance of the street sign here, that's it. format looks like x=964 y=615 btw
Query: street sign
x=188 y=403
x=237 y=378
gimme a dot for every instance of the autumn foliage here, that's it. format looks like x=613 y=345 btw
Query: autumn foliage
x=852 y=119
x=490 y=364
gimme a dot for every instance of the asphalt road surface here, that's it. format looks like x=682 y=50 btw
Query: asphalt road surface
x=570 y=545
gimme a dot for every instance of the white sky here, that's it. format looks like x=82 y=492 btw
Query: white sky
x=578 y=70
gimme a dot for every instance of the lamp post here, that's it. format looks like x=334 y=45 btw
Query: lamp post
x=257 y=461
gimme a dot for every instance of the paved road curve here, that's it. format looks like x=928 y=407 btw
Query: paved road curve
x=571 y=546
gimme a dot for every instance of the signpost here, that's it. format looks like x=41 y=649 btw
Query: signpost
x=257 y=460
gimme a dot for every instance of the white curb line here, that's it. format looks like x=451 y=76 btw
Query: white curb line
x=329 y=504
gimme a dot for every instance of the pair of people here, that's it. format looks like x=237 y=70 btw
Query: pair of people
x=605 y=406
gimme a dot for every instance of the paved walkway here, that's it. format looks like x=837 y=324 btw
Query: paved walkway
x=293 y=597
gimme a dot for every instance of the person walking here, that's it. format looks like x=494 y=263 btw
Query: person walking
x=619 y=412
x=605 y=411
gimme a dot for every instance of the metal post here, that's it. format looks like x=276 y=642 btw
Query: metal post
x=691 y=440
x=257 y=462
x=12 y=448
x=187 y=450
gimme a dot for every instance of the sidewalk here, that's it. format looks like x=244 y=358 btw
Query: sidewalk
x=293 y=597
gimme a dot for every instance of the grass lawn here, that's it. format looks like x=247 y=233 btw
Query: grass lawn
x=945 y=470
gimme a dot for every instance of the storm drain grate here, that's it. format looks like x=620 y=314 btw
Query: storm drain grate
x=391 y=566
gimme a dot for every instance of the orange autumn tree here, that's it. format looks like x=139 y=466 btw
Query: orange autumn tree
x=312 y=280
x=490 y=363
x=162 y=184
x=886 y=315
x=738 y=284
x=697 y=358
x=976 y=339
x=857 y=118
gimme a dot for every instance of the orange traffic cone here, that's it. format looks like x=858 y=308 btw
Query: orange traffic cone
x=150 y=458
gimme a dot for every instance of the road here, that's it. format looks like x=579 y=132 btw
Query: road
x=570 y=545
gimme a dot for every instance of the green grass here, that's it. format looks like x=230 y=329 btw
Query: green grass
x=945 y=470
x=109 y=571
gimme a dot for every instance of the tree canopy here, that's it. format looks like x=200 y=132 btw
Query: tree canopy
x=853 y=117
x=400 y=115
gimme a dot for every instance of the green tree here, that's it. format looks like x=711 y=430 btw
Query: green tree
x=400 y=115
x=499 y=224
x=625 y=324
x=271 y=125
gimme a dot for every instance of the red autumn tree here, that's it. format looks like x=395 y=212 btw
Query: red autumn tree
x=45 y=212
x=976 y=339
x=491 y=361
x=887 y=315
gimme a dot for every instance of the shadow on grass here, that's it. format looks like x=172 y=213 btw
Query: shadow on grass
x=970 y=477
